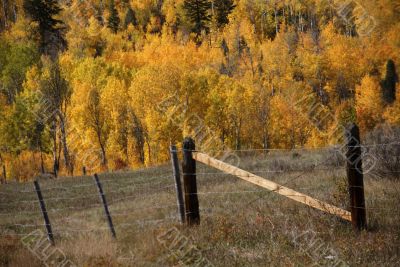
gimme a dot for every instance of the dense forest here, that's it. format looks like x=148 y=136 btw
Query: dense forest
x=110 y=84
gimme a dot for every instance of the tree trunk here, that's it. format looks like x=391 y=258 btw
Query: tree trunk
x=67 y=158
x=265 y=137
x=237 y=136
x=148 y=151
x=102 y=148
x=276 y=20
x=138 y=133
x=292 y=131
x=14 y=12
x=41 y=156
x=103 y=155
x=5 y=13
x=55 y=158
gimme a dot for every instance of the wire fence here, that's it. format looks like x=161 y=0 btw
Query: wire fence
x=140 y=199
x=335 y=147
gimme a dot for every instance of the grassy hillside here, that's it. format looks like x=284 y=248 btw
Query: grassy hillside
x=241 y=224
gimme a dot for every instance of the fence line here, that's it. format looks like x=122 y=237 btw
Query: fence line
x=204 y=208
x=130 y=184
x=269 y=171
x=147 y=178
x=57 y=231
x=142 y=209
x=90 y=196
x=294 y=149
x=82 y=185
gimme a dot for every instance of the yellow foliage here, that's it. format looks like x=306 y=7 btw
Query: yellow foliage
x=24 y=167
x=136 y=91
x=369 y=104
x=290 y=125
x=392 y=113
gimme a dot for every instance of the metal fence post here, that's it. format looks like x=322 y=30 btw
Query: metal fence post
x=104 y=201
x=44 y=212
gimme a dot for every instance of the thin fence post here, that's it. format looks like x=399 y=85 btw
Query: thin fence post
x=178 y=184
x=189 y=182
x=104 y=201
x=355 y=177
x=44 y=212
x=84 y=171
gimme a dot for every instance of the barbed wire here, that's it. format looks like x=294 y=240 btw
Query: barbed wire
x=20 y=213
x=10 y=193
x=17 y=234
x=74 y=208
x=112 y=202
x=133 y=211
x=151 y=178
x=286 y=183
x=105 y=181
x=57 y=231
x=207 y=212
x=205 y=209
x=141 y=184
x=49 y=188
x=130 y=183
x=257 y=149
x=76 y=197
x=291 y=149
x=269 y=171
x=20 y=201
x=129 y=186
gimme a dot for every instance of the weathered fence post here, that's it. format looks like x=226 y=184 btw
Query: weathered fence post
x=178 y=185
x=104 y=201
x=355 y=177
x=84 y=171
x=44 y=212
x=189 y=182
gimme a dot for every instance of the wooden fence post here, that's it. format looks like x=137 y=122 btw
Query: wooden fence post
x=189 y=182
x=44 y=212
x=178 y=185
x=104 y=201
x=355 y=177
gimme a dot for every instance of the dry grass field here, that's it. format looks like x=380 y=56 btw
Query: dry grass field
x=241 y=224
